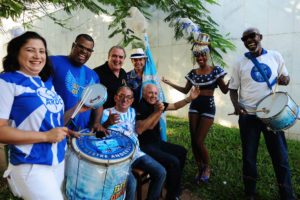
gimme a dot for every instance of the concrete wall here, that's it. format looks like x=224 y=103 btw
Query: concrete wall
x=278 y=21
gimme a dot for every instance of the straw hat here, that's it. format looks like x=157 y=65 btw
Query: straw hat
x=137 y=53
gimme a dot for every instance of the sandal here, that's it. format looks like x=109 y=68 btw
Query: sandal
x=203 y=177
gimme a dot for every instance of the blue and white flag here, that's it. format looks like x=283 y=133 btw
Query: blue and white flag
x=150 y=76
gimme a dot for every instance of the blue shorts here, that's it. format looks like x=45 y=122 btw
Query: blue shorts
x=204 y=106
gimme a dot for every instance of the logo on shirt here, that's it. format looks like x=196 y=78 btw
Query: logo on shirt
x=73 y=86
x=256 y=75
x=51 y=100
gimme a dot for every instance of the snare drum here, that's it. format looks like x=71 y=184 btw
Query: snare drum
x=97 y=169
x=281 y=113
x=97 y=95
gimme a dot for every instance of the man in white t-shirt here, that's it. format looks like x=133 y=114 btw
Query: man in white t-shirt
x=122 y=118
x=247 y=87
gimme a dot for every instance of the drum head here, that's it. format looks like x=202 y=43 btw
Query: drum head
x=273 y=105
x=114 y=149
x=97 y=95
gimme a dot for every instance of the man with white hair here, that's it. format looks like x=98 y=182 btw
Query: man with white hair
x=171 y=156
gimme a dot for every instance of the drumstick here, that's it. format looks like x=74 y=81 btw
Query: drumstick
x=89 y=134
x=277 y=82
x=253 y=111
x=273 y=96
x=84 y=98
x=81 y=102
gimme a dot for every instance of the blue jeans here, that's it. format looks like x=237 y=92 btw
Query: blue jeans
x=172 y=157
x=157 y=175
x=250 y=129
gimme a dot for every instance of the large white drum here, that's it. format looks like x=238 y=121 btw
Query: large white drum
x=97 y=169
x=282 y=112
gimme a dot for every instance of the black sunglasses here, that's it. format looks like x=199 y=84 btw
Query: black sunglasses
x=251 y=35
x=83 y=47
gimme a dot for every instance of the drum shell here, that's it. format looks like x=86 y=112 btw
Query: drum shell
x=285 y=118
x=86 y=179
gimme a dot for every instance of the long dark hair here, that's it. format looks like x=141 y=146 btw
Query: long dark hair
x=10 y=61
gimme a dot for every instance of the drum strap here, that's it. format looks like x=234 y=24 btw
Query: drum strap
x=261 y=70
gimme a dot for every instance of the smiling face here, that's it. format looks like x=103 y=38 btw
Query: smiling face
x=150 y=93
x=202 y=59
x=81 y=51
x=252 y=40
x=116 y=59
x=138 y=64
x=124 y=99
x=32 y=57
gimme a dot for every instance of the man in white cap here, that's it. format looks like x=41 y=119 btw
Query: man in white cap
x=135 y=76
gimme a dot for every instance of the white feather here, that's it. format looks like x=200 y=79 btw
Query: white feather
x=137 y=22
x=188 y=27
x=16 y=31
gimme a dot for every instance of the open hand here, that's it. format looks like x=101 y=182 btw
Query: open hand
x=194 y=93
x=165 y=81
x=98 y=127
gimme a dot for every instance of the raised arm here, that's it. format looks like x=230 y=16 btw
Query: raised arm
x=179 y=104
x=222 y=85
x=151 y=121
x=68 y=114
x=184 y=90
x=112 y=119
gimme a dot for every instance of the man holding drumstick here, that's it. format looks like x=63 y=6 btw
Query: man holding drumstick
x=255 y=75
x=72 y=76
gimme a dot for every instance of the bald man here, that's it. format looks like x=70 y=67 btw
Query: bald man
x=171 y=156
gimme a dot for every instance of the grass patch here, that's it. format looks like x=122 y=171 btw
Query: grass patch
x=226 y=164
x=225 y=150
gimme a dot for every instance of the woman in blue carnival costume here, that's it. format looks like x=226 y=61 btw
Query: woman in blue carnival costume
x=31 y=120
x=202 y=109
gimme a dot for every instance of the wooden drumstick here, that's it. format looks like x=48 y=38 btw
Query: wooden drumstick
x=277 y=82
x=253 y=111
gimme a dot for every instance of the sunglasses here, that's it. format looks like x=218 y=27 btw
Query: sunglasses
x=251 y=35
x=83 y=47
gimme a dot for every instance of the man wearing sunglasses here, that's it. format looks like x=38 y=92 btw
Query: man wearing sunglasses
x=72 y=76
x=255 y=75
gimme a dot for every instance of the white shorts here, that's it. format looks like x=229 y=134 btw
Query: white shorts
x=36 y=182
